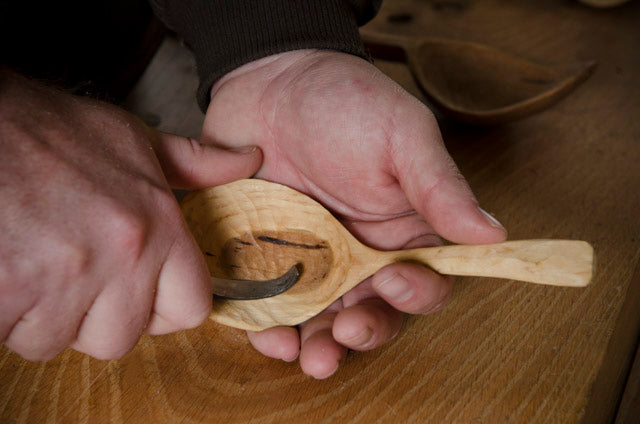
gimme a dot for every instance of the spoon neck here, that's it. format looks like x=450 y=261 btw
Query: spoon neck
x=375 y=259
x=421 y=255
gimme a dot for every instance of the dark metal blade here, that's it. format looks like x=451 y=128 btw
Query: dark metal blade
x=250 y=289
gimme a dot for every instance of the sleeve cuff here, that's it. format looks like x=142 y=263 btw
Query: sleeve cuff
x=226 y=34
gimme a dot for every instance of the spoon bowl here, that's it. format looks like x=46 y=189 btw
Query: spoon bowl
x=475 y=83
x=256 y=230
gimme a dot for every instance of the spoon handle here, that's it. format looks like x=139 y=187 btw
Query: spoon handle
x=553 y=262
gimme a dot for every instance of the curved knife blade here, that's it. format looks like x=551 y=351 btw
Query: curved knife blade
x=250 y=289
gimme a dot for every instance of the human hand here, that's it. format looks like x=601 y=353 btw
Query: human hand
x=94 y=249
x=333 y=126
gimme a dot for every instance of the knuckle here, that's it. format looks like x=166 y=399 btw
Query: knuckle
x=34 y=348
x=16 y=270
x=109 y=340
x=105 y=348
x=195 y=318
x=75 y=260
x=180 y=320
x=128 y=232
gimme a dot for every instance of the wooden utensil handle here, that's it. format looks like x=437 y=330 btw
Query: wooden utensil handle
x=552 y=262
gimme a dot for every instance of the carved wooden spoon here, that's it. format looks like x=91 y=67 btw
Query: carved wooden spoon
x=475 y=83
x=253 y=229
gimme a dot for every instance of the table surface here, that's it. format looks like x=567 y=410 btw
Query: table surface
x=502 y=351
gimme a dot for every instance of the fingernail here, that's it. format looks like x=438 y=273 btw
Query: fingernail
x=396 y=288
x=244 y=149
x=490 y=218
x=362 y=339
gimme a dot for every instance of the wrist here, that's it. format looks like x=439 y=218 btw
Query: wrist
x=228 y=34
x=268 y=68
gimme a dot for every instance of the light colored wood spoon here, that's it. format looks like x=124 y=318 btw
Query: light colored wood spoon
x=253 y=229
x=475 y=83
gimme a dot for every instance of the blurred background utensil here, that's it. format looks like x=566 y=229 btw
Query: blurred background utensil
x=475 y=83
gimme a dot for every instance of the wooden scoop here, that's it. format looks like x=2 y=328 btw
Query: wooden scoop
x=475 y=83
x=253 y=229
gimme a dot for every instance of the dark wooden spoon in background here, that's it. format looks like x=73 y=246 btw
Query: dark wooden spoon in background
x=475 y=83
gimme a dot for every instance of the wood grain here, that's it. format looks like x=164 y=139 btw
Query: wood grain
x=629 y=409
x=499 y=353
x=255 y=230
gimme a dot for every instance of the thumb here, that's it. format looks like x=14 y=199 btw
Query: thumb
x=189 y=164
x=436 y=189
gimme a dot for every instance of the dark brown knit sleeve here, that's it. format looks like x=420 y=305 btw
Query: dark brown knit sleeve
x=225 y=34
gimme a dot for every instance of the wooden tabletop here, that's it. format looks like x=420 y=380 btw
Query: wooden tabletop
x=502 y=351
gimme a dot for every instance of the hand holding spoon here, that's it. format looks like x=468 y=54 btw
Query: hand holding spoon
x=256 y=230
